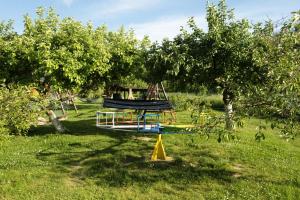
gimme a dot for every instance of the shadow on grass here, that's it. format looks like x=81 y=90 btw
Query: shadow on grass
x=41 y=130
x=124 y=160
x=88 y=127
x=120 y=159
x=93 y=106
x=80 y=127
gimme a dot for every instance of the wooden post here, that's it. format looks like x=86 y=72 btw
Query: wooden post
x=157 y=92
x=163 y=89
x=173 y=115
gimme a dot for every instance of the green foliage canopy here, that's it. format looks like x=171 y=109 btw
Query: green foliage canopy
x=66 y=54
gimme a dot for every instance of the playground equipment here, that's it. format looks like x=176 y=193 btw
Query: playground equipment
x=124 y=120
x=147 y=109
x=154 y=99
x=115 y=120
x=153 y=105
x=153 y=125
x=159 y=150
x=145 y=123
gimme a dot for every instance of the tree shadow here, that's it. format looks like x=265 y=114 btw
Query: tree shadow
x=88 y=127
x=41 y=130
x=126 y=161
x=79 y=127
x=123 y=160
x=93 y=106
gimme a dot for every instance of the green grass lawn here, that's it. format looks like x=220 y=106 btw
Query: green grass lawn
x=90 y=163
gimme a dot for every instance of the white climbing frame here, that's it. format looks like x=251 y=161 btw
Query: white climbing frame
x=109 y=120
x=104 y=116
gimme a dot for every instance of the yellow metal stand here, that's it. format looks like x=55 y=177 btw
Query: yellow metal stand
x=159 y=151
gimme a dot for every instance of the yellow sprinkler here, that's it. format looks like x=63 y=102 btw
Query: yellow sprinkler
x=159 y=151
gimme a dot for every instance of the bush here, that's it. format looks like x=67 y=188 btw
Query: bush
x=181 y=101
x=19 y=110
x=184 y=101
x=216 y=102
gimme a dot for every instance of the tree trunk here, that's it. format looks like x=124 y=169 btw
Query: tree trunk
x=130 y=94
x=56 y=123
x=228 y=102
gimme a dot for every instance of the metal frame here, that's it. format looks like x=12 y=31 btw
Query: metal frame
x=152 y=127
x=106 y=125
x=141 y=126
